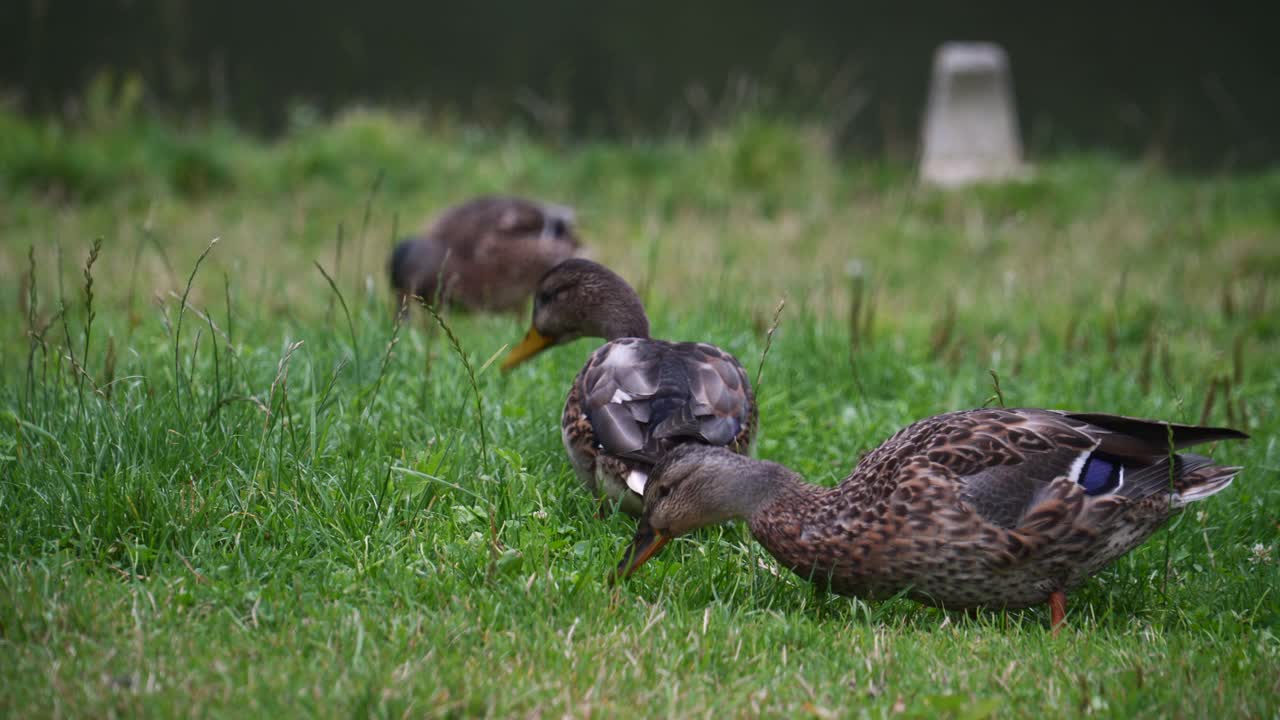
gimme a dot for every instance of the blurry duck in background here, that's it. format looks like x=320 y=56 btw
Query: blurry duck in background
x=637 y=397
x=486 y=254
x=986 y=508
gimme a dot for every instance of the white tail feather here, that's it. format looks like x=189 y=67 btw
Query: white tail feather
x=1204 y=490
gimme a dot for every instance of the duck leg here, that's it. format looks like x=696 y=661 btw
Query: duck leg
x=1057 y=610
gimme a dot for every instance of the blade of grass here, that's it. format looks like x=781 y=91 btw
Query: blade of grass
x=351 y=328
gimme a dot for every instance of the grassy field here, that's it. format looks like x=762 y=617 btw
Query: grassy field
x=231 y=488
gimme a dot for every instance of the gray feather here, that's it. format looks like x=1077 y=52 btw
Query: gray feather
x=616 y=430
x=643 y=397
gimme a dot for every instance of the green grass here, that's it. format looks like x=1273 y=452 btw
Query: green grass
x=252 y=506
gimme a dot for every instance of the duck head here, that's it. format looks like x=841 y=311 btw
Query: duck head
x=580 y=298
x=695 y=486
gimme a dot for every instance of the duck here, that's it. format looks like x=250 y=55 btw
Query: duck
x=637 y=397
x=989 y=508
x=485 y=254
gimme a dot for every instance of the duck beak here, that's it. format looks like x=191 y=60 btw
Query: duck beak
x=533 y=343
x=646 y=544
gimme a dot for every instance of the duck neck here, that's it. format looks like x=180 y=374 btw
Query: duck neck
x=623 y=317
x=785 y=525
x=757 y=490
x=615 y=330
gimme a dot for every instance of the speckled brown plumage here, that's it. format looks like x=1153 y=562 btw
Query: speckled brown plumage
x=485 y=254
x=981 y=508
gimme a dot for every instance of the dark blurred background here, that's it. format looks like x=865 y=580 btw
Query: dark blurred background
x=1193 y=84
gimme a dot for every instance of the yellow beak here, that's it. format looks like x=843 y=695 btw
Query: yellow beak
x=533 y=343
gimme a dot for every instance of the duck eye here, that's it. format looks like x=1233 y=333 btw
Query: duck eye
x=549 y=294
x=558 y=228
x=663 y=491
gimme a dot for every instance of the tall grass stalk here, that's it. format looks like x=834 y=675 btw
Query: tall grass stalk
x=997 y=394
x=33 y=340
x=456 y=344
x=177 y=333
x=337 y=264
x=768 y=342
x=386 y=362
x=351 y=328
x=364 y=226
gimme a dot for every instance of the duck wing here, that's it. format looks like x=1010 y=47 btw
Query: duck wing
x=1004 y=461
x=462 y=228
x=643 y=397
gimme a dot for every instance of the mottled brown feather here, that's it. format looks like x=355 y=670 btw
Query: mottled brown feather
x=485 y=254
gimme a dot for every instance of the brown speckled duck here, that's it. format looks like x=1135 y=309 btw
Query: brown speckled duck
x=637 y=397
x=986 y=508
x=485 y=254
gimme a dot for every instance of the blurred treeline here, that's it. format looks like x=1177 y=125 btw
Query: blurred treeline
x=1188 y=84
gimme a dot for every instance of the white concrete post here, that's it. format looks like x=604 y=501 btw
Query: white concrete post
x=970 y=126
